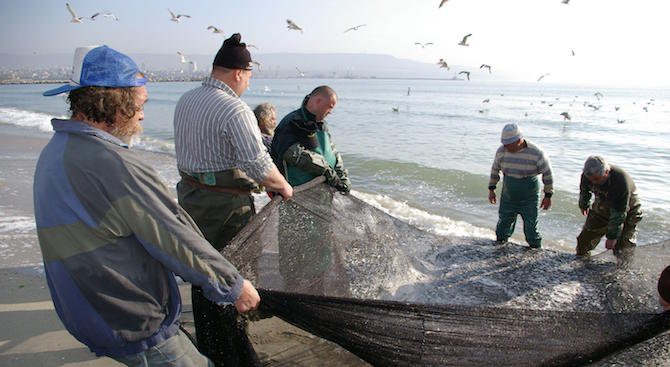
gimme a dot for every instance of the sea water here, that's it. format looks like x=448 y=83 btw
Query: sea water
x=422 y=149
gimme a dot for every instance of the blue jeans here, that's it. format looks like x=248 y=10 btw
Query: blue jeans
x=178 y=351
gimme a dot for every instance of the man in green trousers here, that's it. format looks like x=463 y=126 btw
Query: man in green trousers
x=615 y=211
x=520 y=162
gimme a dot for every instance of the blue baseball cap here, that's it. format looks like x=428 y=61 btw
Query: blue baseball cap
x=101 y=66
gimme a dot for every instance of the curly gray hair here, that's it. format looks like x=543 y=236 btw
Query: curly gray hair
x=264 y=113
x=595 y=165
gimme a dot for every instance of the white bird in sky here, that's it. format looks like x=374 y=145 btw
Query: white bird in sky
x=182 y=57
x=214 y=29
x=177 y=17
x=442 y=3
x=542 y=76
x=355 y=28
x=249 y=45
x=443 y=64
x=75 y=18
x=565 y=2
x=300 y=73
x=464 y=41
x=486 y=66
x=258 y=65
x=291 y=25
x=423 y=45
x=183 y=60
x=106 y=15
x=566 y=116
x=467 y=74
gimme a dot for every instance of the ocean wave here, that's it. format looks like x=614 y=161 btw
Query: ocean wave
x=37 y=120
x=151 y=144
x=16 y=224
x=429 y=222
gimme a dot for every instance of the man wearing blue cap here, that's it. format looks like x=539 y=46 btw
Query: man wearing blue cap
x=520 y=162
x=111 y=235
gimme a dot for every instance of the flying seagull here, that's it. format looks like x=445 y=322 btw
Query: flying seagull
x=620 y=121
x=258 y=64
x=300 y=73
x=467 y=74
x=177 y=17
x=182 y=57
x=423 y=45
x=214 y=29
x=573 y=52
x=487 y=100
x=354 y=28
x=106 y=15
x=566 y=116
x=249 y=45
x=486 y=66
x=291 y=25
x=75 y=18
x=598 y=95
x=565 y=2
x=464 y=41
x=542 y=76
x=443 y=64
x=183 y=60
x=442 y=3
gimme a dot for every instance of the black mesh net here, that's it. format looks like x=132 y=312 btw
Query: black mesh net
x=394 y=294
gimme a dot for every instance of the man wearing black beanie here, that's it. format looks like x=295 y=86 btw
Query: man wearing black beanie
x=221 y=159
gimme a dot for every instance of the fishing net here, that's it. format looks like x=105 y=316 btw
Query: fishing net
x=396 y=295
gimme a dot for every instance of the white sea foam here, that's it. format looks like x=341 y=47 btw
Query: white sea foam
x=16 y=224
x=153 y=145
x=36 y=120
x=429 y=222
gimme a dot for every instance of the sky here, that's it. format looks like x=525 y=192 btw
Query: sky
x=615 y=42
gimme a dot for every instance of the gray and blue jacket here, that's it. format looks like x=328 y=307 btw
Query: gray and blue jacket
x=113 y=238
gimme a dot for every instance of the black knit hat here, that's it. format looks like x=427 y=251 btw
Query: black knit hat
x=233 y=54
x=664 y=285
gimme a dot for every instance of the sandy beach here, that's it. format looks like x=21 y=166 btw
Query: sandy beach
x=32 y=334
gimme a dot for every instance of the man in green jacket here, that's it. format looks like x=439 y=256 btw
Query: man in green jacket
x=615 y=211
x=302 y=148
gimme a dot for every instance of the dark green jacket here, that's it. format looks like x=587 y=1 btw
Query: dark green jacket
x=617 y=195
x=302 y=148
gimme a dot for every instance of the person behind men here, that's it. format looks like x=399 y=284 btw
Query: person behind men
x=221 y=160
x=302 y=147
x=615 y=211
x=664 y=289
x=520 y=162
x=112 y=237
x=266 y=114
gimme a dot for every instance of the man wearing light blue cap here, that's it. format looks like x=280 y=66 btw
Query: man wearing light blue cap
x=520 y=162
x=111 y=234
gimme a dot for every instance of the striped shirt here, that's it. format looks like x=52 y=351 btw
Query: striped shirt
x=528 y=162
x=214 y=130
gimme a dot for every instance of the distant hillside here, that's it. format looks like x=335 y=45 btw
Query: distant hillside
x=276 y=65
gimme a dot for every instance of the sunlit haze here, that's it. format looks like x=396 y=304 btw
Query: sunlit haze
x=615 y=42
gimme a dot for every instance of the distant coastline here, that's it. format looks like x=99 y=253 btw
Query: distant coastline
x=200 y=78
